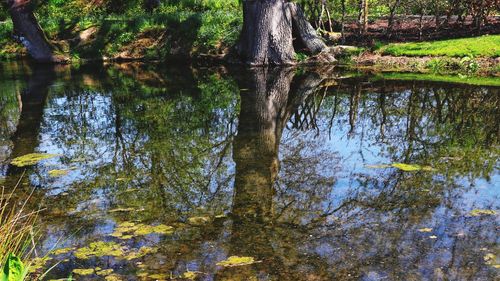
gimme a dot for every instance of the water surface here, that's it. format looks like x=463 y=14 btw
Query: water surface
x=287 y=166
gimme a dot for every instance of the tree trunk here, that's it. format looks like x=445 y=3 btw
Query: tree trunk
x=390 y=24
x=29 y=32
x=267 y=35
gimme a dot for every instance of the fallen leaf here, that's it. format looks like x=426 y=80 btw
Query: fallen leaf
x=425 y=230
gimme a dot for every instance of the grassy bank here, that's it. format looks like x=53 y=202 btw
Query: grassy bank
x=475 y=81
x=483 y=46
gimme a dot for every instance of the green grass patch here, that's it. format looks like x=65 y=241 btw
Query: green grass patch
x=477 y=81
x=483 y=46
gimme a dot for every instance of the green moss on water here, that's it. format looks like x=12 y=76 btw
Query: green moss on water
x=476 y=81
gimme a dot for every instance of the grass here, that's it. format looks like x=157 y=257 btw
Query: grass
x=483 y=46
x=477 y=81
x=16 y=234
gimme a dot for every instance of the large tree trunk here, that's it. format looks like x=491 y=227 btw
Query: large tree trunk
x=29 y=32
x=267 y=35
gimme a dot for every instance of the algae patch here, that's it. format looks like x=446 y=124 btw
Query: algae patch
x=31 y=159
x=83 y=271
x=236 y=261
x=100 y=249
x=128 y=230
x=478 y=212
x=402 y=167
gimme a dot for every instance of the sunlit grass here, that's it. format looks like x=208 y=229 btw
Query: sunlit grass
x=483 y=46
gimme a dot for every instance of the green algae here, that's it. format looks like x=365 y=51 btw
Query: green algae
x=100 y=249
x=83 y=271
x=58 y=173
x=198 y=220
x=31 y=159
x=103 y=272
x=143 y=251
x=478 y=212
x=61 y=251
x=236 y=261
x=190 y=275
x=38 y=263
x=128 y=230
x=403 y=167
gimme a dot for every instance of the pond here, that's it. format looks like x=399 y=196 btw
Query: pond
x=220 y=173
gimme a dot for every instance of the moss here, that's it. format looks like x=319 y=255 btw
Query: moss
x=31 y=159
x=100 y=249
x=236 y=261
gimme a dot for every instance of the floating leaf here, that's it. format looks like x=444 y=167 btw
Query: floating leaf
x=478 y=212
x=433 y=237
x=236 y=261
x=83 y=271
x=425 y=230
x=100 y=249
x=31 y=159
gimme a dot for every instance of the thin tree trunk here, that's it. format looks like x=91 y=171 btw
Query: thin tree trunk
x=390 y=24
x=342 y=22
x=29 y=32
x=365 y=16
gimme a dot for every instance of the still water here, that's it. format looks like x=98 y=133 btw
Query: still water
x=164 y=172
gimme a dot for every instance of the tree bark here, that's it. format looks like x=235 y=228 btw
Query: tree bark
x=267 y=35
x=29 y=32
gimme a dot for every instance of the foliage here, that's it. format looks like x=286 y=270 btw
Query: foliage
x=13 y=269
